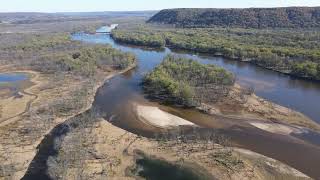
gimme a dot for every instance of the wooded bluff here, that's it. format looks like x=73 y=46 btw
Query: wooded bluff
x=289 y=17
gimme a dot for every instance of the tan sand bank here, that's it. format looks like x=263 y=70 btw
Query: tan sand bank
x=276 y=128
x=159 y=118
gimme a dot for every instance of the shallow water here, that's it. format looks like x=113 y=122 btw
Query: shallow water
x=116 y=97
x=12 y=77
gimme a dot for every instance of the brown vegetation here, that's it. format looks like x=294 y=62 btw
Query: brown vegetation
x=68 y=75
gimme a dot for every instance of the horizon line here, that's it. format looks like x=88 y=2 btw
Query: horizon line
x=101 y=11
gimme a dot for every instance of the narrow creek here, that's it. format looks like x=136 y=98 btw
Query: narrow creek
x=115 y=97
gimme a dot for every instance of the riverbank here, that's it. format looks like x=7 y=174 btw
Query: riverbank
x=19 y=104
x=241 y=105
x=184 y=82
x=263 y=48
x=29 y=129
x=111 y=152
x=186 y=50
x=246 y=60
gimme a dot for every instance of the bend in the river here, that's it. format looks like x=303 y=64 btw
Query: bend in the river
x=117 y=95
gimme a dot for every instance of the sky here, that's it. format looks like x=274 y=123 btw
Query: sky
x=133 y=5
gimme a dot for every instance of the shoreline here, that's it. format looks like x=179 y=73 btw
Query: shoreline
x=242 y=107
x=33 y=77
x=155 y=117
x=260 y=110
x=194 y=52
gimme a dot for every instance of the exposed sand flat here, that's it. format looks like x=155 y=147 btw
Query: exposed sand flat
x=276 y=128
x=241 y=105
x=14 y=106
x=159 y=118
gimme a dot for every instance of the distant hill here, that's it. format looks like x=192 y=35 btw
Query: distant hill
x=290 y=17
x=35 y=17
x=113 y=13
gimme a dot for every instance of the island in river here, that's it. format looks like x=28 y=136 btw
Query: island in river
x=185 y=82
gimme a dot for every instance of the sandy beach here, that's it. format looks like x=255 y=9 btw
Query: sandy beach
x=156 y=117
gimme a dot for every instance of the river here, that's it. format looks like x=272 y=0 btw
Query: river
x=115 y=97
x=300 y=95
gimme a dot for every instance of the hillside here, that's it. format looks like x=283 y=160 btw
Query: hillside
x=291 y=17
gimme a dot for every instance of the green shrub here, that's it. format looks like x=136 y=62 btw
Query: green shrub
x=185 y=81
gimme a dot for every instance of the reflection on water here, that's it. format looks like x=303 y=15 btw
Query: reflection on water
x=310 y=136
x=156 y=169
x=260 y=86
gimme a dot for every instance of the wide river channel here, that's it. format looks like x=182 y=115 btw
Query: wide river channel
x=301 y=95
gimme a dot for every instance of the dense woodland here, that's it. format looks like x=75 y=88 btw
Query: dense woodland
x=140 y=38
x=186 y=82
x=284 y=50
x=291 y=17
x=85 y=61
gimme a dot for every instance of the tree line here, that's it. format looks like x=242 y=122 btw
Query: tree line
x=139 y=38
x=292 y=52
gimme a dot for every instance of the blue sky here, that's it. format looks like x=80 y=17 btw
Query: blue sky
x=120 y=5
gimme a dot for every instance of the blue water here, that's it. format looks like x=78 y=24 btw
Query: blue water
x=11 y=78
x=297 y=94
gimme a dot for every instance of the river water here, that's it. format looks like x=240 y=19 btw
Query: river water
x=294 y=93
x=115 y=97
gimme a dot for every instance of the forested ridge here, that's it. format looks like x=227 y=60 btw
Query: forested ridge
x=289 y=17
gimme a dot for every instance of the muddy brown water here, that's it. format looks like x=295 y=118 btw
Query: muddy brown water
x=302 y=152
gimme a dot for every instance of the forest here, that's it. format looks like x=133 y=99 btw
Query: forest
x=140 y=38
x=289 y=17
x=186 y=82
x=292 y=52
x=54 y=53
